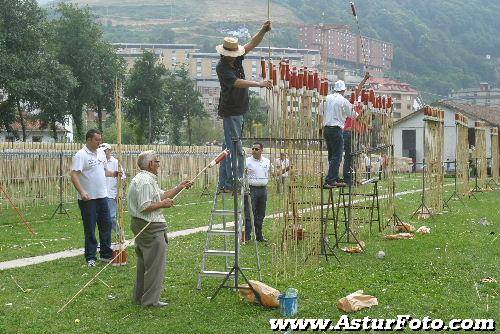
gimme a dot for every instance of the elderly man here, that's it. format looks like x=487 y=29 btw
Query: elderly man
x=112 y=184
x=234 y=100
x=336 y=112
x=145 y=202
x=88 y=175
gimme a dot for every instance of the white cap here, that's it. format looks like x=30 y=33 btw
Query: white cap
x=339 y=86
x=105 y=146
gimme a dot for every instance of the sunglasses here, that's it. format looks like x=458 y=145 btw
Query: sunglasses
x=255 y=149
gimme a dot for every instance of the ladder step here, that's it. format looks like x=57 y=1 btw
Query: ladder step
x=213 y=273
x=221 y=232
x=224 y=212
x=219 y=252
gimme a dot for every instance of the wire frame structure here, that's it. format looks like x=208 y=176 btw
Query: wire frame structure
x=495 y=156
x=462 y=154
x=480 y=154
x=294 y=145
x=433 y=155
x=372 y=149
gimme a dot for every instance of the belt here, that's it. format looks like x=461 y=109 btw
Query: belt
x=258 y=187
x=332 y=126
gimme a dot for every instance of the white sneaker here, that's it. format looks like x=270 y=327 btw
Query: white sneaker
x=91 y=263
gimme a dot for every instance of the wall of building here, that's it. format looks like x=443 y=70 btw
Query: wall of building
x=450 y=138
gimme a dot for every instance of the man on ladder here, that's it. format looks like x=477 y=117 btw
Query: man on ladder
x=234 y=101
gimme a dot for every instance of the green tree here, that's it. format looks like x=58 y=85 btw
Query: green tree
x=184 y=103
x=21 y=44
x=79 y=44
x=146 y=108
x=257 y=113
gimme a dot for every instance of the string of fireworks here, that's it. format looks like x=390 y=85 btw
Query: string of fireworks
x=223 y=155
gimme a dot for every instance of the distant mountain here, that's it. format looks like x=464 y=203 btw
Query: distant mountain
x=439 y=45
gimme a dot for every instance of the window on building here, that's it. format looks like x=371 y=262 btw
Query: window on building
x=10 y=139
x=36 y=139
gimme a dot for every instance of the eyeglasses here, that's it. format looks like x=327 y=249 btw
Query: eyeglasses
x=255 y=149
x=157 y=161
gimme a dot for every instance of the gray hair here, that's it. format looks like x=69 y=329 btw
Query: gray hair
x=145 y=158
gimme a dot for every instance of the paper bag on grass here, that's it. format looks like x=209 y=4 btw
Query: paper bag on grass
x=424 y=230
x=399 y=236
x=404 y=227
x=356 y=301
x=268 y=295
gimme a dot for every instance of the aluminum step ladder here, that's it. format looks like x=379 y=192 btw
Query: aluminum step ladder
x=220 y=242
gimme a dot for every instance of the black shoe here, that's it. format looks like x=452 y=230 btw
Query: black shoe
x=262 y=240
x=225 y=191
x=328 y=185
x=339 y=184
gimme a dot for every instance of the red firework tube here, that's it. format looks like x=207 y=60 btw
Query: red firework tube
x=222 y=155
x=457 y=117
x=363 y=95
x=353 y=98
x=300 y=78
x=379 y=101
x=383 y=102
x=353 y=9
x=372 y=96
x=294 y=77
x=326 y=87
x=310 y=80
x=389 y=102
x=282 y=70
x=366 y=97
x=274 y=76
x=263 y=67
x=317 y=81
x=306 y=78
x=287 y=72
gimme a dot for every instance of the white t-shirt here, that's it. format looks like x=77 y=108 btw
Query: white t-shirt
x=337 y=109
x=282 y=165
x=92 y=175
x=112 y=182
x=258 y=171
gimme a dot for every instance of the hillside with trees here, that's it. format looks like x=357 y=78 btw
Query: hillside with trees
x=439 y=45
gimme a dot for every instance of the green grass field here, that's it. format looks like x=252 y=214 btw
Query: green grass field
x=436 y=275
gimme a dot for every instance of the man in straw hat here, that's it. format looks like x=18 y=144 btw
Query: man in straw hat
x=234 y=101
x=337 y=110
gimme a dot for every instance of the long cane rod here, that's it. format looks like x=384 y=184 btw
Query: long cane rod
x=19 y=213
x=219 y=158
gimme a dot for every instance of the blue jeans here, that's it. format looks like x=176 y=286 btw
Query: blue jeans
x=95 y=212
x=347 y=157
x=112 y=206
x=233 y=128
x=258 y=196
x=334 y=145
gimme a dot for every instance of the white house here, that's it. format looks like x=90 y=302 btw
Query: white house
x=409 y=131
x=36 y=132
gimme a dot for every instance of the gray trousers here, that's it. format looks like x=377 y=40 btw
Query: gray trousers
x=151 y=251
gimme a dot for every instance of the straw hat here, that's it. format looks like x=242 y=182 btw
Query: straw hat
x=230 y=48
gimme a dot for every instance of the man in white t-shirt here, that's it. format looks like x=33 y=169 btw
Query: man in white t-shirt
x=88 y=175
x=336 y=111
x=257 y=171
x=112 y=184
x=282 y=167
